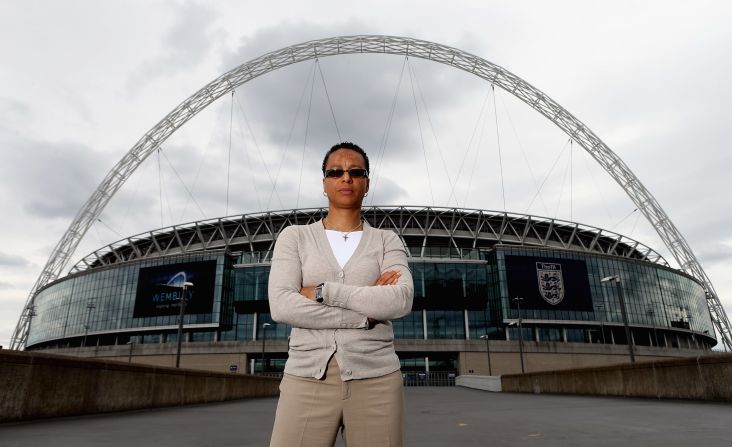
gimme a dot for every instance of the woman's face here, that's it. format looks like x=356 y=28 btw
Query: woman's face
x=344 y=191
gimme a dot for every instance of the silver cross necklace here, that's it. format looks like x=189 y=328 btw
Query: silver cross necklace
x=345 y=234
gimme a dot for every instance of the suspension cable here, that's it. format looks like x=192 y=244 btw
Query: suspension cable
x=421 y=136
x=200 y=164
x=432 y=128
x=564 y=148
x=498 y=142
x=138 y=180
x=166 y=190
x=603 y=201
x=305 y=140
x=623 y=219
x=387 y=130
x=190 y=194
x=160 y=189
x=289 y=137
x=571 y=181
x=632 y=230
x=332 y=113
x=228 y=163
x=259 y=152
x=478 y=145
x=523 y=153
x=564 y=183
x=110 y=228
x=467 y=150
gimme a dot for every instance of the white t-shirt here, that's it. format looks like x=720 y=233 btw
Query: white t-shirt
x=343 y=249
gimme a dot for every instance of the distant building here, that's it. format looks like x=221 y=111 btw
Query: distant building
x=468 y=268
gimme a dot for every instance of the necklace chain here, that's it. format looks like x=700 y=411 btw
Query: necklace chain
x=345 y=233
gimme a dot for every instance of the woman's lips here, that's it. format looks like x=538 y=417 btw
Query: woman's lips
x=345 y=191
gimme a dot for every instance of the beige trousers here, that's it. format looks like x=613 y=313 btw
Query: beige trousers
x=310 y=411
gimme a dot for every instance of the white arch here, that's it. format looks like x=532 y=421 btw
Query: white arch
x=453 y=57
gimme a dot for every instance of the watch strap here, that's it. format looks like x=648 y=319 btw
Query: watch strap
x=319 y=292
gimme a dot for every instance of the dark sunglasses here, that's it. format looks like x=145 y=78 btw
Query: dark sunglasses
x=353 y=173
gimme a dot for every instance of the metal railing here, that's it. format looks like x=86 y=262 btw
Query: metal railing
x=418 y=378
x=423 y=378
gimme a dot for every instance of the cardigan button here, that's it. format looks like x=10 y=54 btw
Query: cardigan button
x=349 y=372
x=340 y=274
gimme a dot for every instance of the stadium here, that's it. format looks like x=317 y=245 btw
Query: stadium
x=468 y=268
x=495 y=292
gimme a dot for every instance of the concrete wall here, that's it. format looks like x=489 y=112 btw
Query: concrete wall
x=485 y=383
x=550 y=356
x=472 y=360
x=703 y=378
x=37 y=385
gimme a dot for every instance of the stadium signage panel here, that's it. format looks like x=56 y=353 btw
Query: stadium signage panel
x=548 y=283
x=159 y=292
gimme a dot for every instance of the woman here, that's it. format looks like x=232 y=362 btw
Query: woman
x=338 y=282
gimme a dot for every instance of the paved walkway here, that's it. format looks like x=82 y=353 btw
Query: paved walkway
x=436 y=417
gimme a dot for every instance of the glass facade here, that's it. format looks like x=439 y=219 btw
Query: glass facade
x=455 y=299
x=103 y=301
x=654 y=296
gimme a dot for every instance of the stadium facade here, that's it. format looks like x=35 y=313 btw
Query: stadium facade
x=469 y=268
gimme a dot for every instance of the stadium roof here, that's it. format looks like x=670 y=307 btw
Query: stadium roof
x=459 y=232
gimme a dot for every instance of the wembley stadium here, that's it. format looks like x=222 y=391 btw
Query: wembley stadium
x=469 y=268
x=495 y=292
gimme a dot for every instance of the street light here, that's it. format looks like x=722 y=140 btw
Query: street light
x=182 y=304
x=602 y=324
x=129 y=356
x=488 y=350
x=623 y=311
x=89 y=306
x=652 y=313
x=521 y=332
x=264 y=340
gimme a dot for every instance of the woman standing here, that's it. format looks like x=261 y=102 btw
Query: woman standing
x=338 y=282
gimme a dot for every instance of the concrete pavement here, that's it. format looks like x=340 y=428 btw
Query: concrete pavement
x=435 y=417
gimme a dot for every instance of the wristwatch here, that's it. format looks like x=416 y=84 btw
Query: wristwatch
x=319 y=292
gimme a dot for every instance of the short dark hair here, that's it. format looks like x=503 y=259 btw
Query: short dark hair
x=346 y=145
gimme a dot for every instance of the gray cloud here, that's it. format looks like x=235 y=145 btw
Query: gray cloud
x=51 y=178
x=186 y=44
x=360 y=87
x=717 y=255
x=10 y=260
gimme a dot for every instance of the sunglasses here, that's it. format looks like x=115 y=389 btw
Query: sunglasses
x=353 y=173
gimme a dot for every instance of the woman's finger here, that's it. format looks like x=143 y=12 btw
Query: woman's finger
x=388 y=278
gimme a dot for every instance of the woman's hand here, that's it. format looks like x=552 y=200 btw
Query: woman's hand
x=388 y=278
x=308 y=292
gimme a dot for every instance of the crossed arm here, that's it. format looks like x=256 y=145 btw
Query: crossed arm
x=345 y=306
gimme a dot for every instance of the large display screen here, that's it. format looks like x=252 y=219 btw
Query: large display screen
x=548 y=283
x=159 y=291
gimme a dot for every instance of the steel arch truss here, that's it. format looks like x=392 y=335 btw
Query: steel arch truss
x=453 y=57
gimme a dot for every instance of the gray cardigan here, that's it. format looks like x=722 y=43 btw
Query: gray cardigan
x=302 y=257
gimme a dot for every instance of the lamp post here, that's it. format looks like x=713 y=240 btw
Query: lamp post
x=652 y=313
x=264 y=341
x=89 y=306
x=623 y=311
x=602 y=323
x=183 y=300
x=521 y=333
x=488 y=351
x=129 y=355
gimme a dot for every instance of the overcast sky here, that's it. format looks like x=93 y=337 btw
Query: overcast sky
x=82 y=81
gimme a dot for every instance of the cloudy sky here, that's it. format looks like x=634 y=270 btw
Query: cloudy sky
x=82 y=81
